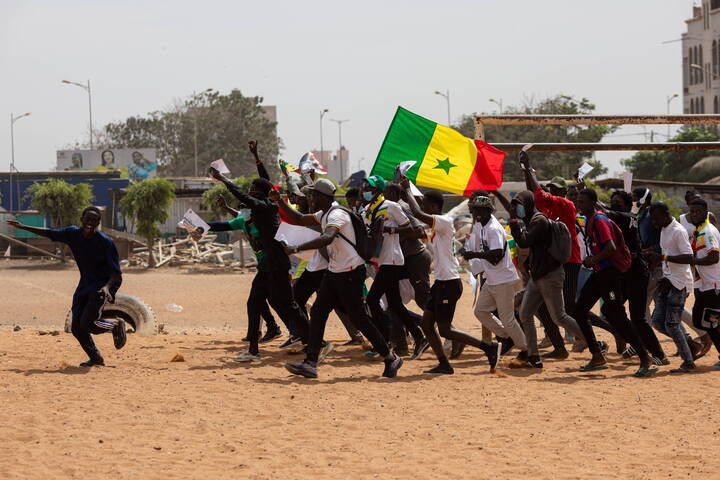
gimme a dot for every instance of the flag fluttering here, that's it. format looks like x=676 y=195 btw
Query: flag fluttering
x=309 y=163
x=446 y=160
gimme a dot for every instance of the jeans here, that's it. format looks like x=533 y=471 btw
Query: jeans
x=274 y=287
x=344 y=289
x=667 y=318
x=606 y=284
x=548 y=289
x=655 y=276
x=86 y=311
x=501 y=298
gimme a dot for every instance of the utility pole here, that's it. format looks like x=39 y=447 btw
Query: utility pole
x=322 y=114
x=87 y=89
x=14 y=119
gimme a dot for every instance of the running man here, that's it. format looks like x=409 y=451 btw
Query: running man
x=447 y=289
x=100 y=279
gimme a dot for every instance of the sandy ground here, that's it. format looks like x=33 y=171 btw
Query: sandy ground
x=145 y=417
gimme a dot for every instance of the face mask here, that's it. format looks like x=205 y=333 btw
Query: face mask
x=368 y=196
x=520 y=211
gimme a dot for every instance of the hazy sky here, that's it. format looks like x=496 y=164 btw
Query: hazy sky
x=358 y=59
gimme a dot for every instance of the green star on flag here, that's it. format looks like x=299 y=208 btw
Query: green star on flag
x=444 y=165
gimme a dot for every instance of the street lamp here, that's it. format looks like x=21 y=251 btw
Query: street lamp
x=446 y=95
x=498 y=103
x=195 y=131
x=322 y=114
x=87 y=89
x=669 y=99
x=339 y=124
x=14 y=119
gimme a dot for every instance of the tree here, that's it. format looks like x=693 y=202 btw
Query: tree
x=147 y=204
x=675 y=165
x=209 y=197
x=61 y=201
x=224 y=124
x=549 y=164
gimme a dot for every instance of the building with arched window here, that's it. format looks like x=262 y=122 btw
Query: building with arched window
x=701 y=75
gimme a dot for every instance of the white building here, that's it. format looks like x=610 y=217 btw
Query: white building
x=701 y=59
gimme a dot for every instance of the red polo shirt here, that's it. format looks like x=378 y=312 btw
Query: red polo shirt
x=562 y=209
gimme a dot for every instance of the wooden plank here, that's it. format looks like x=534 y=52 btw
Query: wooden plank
x=31 y=247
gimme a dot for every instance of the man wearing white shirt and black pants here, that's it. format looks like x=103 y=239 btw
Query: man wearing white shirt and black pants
x=343 y=282
x=447 y=289
x=705 y=242
x=390 y=262
x=489 y=247
x=677 y=281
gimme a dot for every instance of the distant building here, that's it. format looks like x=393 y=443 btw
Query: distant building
x=701 y=59
x=338 y=167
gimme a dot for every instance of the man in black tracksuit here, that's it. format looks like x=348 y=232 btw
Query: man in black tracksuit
x=272 y=281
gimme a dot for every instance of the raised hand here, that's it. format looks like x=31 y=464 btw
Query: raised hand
x=252 y=145
x=221 y=202
x=404 y=182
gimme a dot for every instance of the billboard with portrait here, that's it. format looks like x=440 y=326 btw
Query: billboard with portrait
x=137 y=163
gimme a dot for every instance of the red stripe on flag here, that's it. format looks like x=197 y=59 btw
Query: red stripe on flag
x=488 y=172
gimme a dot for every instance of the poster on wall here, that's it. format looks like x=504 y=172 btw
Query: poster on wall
x=135 y=163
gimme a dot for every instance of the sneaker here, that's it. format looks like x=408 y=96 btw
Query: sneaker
x=420 y=348
x=119 y=334
x=546 y=343
x=291 y=342
x=246 y=357
x=686 y=367
x=392 y=366
x=99 y=362
x=371 y=355
x=494 y=355
x=507 y=345
x=354 y=341
x=441 y=369
x=660 y=361
x=604 y=347
x=305 y=369
x=579 y=346
x=629 y=352
x=534 y=362
x=326 y=348
x=559 y=354
x=270 y=335
x=456 y=350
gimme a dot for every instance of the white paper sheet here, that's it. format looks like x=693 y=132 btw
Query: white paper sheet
x=627 y=181
x=295 y=235
x=584 y=170
x=191 y=221
x=220 y=166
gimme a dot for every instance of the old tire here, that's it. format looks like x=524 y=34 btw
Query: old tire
x=138 y=316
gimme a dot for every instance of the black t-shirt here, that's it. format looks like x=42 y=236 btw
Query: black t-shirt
x=629 y=227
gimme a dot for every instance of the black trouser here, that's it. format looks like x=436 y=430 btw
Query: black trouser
x=634 y=289
x=703 y=300
x=86 y=311
x=387 y=282
x=309 y=283
x=343 y=290
x=605 y=284
x=267 y=316
x=417 y=269
x=572 y=271
x=274 y=287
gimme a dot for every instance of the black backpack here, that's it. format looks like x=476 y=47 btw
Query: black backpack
x=368 y=239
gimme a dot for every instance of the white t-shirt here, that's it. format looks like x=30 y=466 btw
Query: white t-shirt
x=707 y=240
x=491 y=236
x=391 y=253
x=318 y=262
x=343 y=257
x=674 y=241
x=686 y=224
x=442 y=240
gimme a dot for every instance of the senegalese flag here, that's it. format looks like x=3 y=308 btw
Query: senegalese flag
x=446 y=160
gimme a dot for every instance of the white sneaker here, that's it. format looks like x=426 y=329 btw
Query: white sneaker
x=246 y=357
x=327 y=348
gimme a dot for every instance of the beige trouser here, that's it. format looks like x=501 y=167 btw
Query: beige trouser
x=500 y=297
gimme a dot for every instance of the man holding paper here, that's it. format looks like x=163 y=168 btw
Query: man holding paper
x=272 y=281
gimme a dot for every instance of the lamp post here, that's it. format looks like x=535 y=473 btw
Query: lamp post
x=669 y=99
x=87 y=89
x=445 y=95
x=14 y=119
x=499 y=103
x=339 y=124
x=322 y=114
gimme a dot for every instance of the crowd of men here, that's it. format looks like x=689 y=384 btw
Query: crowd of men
x=561 y=252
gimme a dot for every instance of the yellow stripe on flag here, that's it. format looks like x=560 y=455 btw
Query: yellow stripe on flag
x=449 y=161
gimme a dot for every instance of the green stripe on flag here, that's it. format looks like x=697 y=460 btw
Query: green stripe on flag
x=407 y=139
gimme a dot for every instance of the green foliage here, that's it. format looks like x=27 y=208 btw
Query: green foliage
x=209 y=197
x=675 y=165
x=147 y=204
x=674 y=204
x=224 y=125
x=548 y=164
x=59 y=200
